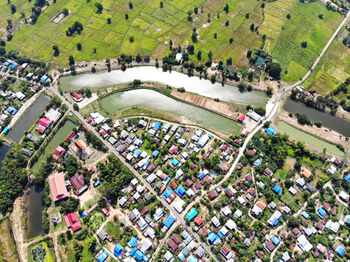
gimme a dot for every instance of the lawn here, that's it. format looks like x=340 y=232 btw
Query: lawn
x=96 y=220
x=152 y=27
x=308 y=139
x=57 y=139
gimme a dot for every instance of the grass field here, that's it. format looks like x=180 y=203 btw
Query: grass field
x=57 y=139
x=7 y=243
x=152 y=28
x=308 y=139
x=333 y=68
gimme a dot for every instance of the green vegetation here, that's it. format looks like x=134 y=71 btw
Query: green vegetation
x=309 y=139
x=7 y=243
x=57 y=139
x=41 y=252
x=112 y=28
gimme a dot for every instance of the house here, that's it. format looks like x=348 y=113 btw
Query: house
x=105 y=211
x=214 y=239
x=344 y=196
x=118 y=250
x=269 y=246
x=277 y=189
x=305 y=172
x=45 y=122
x=274 y=219
x=191 y=214
x=77 y=97
x=321 y=212
x=241 y=117
x=57 y=186
x=340 y=251
x=304 y=244
x=286 y=256
x=292 y=190
x=300 y=182
x=26 y=152
x=59 y=151
x=171 y=243
x=268 y=172
x=226 y=252
x=215 y=221
x=78 y=183
x=102 y=234
x=101 y=256
x=72 y=221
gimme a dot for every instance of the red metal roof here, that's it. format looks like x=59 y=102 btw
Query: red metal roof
x=72 y=221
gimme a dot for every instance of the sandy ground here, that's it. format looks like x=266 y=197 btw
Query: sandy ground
x=87 y=101
x=17 y=229
x=324 y=133
x=222 y=108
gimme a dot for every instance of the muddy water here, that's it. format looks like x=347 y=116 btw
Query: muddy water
x=34 y=211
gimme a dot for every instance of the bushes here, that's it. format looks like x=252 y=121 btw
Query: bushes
x=95 y=141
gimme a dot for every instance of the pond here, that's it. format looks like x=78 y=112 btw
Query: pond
x=17 y=131
x=156 y=101
x=34 y=211
x=333 y=122
x=174 y=79
x=3 y=151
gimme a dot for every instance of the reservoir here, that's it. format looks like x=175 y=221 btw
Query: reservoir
x=174 y=79
x=156 y=101
x=28 y=117
x=333 y=122
x=34 y=211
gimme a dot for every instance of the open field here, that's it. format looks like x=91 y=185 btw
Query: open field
x=308 y=139
x=152 y=28
x=8 y=251
x=333 y=68
x=57 y=139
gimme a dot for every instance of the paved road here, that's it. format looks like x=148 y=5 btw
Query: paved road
x=150 y=188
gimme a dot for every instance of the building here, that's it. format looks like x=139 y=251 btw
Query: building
x=57 y=186
x=306 y=172
x=77 y=97
x=304 y=244
x=78 y=183
x=72 y=221
x=59 y=151
x=273 y=220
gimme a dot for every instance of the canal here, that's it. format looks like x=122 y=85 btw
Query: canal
x=17 y=131
x=174 y=79
x=338 y=124
x=156 y=101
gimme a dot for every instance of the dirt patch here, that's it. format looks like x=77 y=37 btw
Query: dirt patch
x=7 y=243
x=228 y=110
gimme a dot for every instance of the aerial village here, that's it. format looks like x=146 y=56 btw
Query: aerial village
x=160 y=191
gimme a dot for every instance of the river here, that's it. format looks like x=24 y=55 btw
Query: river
x=338 y=124
x=34 y=211
x=157 y=101
x=174 y=79
x=28 y=117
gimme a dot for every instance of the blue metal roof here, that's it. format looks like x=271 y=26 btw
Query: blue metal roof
x=157 y=125
x=340 y=250
x=101 y=256
x=277 y=189
x=118 y=250
x=155 y=153
x=181 y=191
x=169 y=221
x=305 y=214
x=193 y=212
x=132 y=242
x=321 y=212
x=212 y=237
x=275 y=240
x=175 y=162
x=168 y=193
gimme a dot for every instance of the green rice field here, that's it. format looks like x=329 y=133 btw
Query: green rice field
x=152 y=27
x=57 y=139
x=308 y=139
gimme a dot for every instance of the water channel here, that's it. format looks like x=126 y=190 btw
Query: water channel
x=34 y=211
x=333 y=122
x=174 y=79
x=156 y=101
x=28 y=117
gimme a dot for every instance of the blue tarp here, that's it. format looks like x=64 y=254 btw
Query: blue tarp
x=257 y=162
x=83 y=214
x=212 y=238
x=275 y=240
x=321 y=212
x=169 y=221
x=305 y=214
x=347 y=177
x=155 y=153
x=168 y=193
x=97 y=183
x=181 y=191
x=175 y=162
x=340 y=250
x=101 y=256
x=118 y=250
x=193 y=212
x=132 y=242
x=270 y=131
x=156 y=125
x=277 y=189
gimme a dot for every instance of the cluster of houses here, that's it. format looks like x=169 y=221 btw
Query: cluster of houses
x=49 y=119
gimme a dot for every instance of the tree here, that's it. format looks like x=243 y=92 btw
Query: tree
x=252 y=27
x=274 y=70
x=56 y=50
x=247 y=15
x=269 y=91
x=13 y=8
x=194 y=37
x=161 y=4
x=227 y=23
x=79 y=46
x=65 y=11
x=288 y=16
x=226 y=8
x=231 y=40
x=99 y=7
x=131 y=5
x=93 y=69
x=76 y=107
x=320 y=16
x=126 y=16
x=304 y=44
x=249 y=53
x=215 y=35
x=195 y=10
x=199 y=55
x=71 y=60
x=2 y=51
x=131 y=39
x=109 y=20
x=213 y=79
